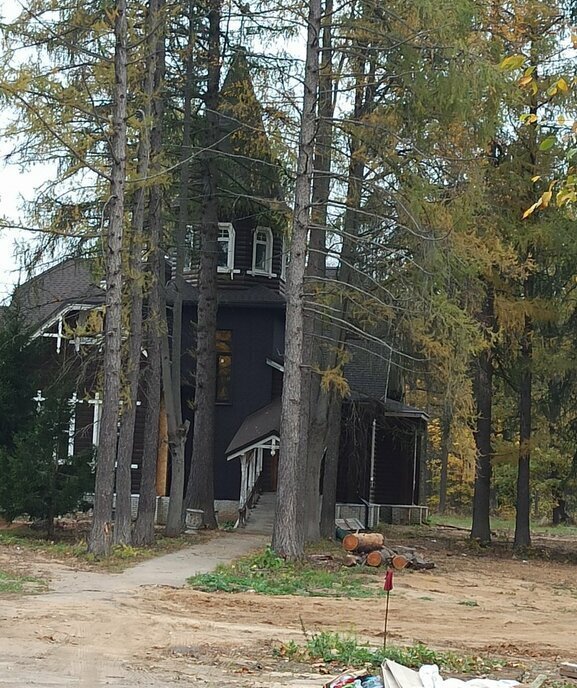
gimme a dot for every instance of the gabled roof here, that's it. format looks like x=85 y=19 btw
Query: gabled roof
x=368 y=369
x=44 y=296
x=261 y=426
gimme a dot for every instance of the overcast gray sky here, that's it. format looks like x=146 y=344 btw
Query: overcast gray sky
x=14 y=185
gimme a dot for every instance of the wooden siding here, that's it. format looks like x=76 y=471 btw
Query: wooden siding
x=244 y=232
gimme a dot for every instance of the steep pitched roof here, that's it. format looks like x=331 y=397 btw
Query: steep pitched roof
x=45 y=295
x=248 y=168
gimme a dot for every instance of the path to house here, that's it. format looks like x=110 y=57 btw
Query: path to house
x=168 y=570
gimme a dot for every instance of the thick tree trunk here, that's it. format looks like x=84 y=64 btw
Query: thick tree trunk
x=200 y=489
x=143 y=535
x=172 y=379
x=100 y=534
x=144 y=526
x=288 y=533
x=316 y=267
x=123 y=520
x=333 y=441
x=523 y=504
x=483 y=394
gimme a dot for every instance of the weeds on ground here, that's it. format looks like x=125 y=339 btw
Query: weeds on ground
x=121 y=555
x=268 y=574
x=13 y=583
x=347 y=651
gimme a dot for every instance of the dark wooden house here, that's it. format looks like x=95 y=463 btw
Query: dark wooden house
x=382 y=447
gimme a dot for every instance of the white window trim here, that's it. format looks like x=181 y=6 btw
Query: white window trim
x=268 y=252
x=229 y=268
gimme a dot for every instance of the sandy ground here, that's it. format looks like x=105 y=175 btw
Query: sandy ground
x=141 y=628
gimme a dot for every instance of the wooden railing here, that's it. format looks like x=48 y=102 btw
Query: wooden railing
x=250 y=482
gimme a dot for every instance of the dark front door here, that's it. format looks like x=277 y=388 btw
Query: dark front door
x=269 y=472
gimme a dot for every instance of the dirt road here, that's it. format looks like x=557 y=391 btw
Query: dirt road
x=97 y=629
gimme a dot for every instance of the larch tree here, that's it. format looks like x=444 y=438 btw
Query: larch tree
x=288 y=533
x=100 y=533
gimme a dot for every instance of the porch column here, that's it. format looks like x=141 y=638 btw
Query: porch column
x=242 y=480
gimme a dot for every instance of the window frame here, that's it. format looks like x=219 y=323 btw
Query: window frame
x=268 y=243
x=231 y=240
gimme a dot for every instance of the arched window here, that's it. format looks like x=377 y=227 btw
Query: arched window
x=225 y=247
x=262 y=251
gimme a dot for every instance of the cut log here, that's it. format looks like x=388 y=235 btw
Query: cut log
x=399 y=562
x=374 y=559
x=363 y=542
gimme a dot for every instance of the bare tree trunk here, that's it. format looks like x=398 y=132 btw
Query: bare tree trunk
x=177 y=432
x=100 y=534
x=200 y=489
x=175 y=519
x=523 y=503
x=316 y=267
x=330 y=407
x=483 y=391
x=144 y=526
x=288 y=533
x=123 y=520
x=333 y=441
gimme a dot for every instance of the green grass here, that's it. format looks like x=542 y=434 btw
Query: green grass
x=347 y=651
x=268 y=574
x=12 y=583
x=505 y=525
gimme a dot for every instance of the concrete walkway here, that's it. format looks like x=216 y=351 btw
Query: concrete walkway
x=170 y=569
x=261 y=517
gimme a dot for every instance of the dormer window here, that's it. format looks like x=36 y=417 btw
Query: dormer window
x=225 y=247
x=262 y=251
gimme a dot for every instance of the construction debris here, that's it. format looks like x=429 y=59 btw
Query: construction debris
x=396 y=675
x=568 y=669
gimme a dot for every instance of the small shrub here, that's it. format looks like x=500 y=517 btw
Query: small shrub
x=347 y=651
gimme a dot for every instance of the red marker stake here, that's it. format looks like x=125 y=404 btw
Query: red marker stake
x=388 y=586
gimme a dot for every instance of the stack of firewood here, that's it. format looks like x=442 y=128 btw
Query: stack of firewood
x=369 y=549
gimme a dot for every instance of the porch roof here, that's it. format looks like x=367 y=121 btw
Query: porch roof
x=396 y=409
x=261 y=426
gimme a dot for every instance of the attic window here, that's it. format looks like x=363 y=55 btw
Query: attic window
x=262 y=251
x=225 y=247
